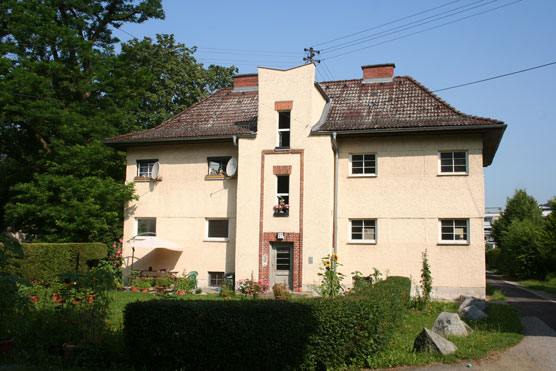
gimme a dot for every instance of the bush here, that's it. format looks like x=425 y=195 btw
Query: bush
x=305 y=334
x=493 y=259
x=46 y=261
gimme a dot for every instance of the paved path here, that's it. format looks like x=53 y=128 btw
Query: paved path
x=537 y=351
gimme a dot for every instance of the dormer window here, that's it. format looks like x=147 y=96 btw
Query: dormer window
x=284 y=124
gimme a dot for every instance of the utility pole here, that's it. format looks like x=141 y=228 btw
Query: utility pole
x=311 y=53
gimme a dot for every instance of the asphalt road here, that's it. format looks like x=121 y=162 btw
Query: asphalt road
x=528 y=303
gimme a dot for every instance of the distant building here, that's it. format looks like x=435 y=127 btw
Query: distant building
x=492 y=214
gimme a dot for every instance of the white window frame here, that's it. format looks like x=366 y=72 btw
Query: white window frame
x=453 y=241
x=150 y=163
x=374 y=174
x=279 y=131
x=440 y=172
x=362 y=241
x=216 y=239
x=137 y=227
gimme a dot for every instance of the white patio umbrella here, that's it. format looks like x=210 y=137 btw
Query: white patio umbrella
x=151 y=242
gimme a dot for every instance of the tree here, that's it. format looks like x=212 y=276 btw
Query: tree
x=548 y=236
x=523 y=254
x=520 y=206
x=63 y=90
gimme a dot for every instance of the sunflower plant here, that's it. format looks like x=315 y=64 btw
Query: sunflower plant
x=331 y=284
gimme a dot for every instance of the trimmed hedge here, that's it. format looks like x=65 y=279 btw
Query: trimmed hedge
x=45 y=261
x=309 y=334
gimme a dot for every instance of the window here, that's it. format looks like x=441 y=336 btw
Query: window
x=217 y=229
x=217 y=165
x=282 y=206
x=216 y=279
x=362 y=164
x=145 y=168
x=454 y=230
x=363 y=230
x=453 y=162
x=284 y=119
x=146 y=226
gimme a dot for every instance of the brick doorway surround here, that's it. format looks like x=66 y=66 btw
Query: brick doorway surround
x=297 y=266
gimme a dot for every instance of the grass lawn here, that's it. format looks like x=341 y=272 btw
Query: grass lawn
x=548 y=286
x=495 y=294
x=501 y=330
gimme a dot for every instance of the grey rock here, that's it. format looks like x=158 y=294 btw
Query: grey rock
x=474 y=313
x=427 y=340
x=470 y=300
x=447 y=324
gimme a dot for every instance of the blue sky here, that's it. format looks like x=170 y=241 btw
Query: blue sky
x=509 y=35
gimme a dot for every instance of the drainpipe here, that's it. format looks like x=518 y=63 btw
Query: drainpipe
x=235 y=140
x=335 y=221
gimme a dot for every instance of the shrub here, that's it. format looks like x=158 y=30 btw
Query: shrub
x=309 y=334
x=46 y=261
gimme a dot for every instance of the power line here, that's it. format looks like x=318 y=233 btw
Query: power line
x=495 y=77
x=407 y=26
x=424 y=30
x=386 y=24
x=328 y=70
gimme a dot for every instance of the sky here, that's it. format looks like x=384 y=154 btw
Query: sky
x=439 y=43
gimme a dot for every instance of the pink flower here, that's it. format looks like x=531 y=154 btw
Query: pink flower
x=118 y=252
x=121 y=241
x=114 y=245
x=115 y=264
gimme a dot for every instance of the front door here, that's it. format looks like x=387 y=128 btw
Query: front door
x=281 y=264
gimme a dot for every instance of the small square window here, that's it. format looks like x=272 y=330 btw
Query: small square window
x=284 y=124
x=145 y=168
x=217 y=165
x=453 y=162
x=146 y=226
x=363 y=230
x=216 y=279
x=217 y=229
x=454 y=230
x=362 y=164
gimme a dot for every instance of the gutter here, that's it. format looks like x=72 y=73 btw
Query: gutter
x=156 y=141
x=335 y=217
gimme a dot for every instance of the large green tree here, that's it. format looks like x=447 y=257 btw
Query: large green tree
x=63 y=89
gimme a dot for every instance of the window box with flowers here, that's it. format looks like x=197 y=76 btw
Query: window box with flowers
x=282 y=209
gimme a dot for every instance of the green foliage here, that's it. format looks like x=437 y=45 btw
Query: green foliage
x=518 y=207
x=424 y=297
x=523 y=238
x=63 y=91
x=45 y=262
x=548 y=236
x=331 y=279
x=304 y=334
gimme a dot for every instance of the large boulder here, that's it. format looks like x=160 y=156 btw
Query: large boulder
x=447 y=324
x=427 y=340
x=474 y=313
x=471 y=301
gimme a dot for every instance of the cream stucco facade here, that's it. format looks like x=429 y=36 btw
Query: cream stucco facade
x=406 y=198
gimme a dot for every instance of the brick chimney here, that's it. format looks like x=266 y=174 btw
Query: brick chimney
x=247 y=82
x=378 y=73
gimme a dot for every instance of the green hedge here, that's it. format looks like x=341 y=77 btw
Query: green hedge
x=45 y=261
x=310 y=334
x=494 y=259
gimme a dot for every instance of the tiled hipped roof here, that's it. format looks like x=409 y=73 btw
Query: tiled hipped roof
x=401 y=104
x=223 y=113
x=356 y=107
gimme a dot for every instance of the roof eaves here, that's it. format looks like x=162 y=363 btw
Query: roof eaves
x=152 y=141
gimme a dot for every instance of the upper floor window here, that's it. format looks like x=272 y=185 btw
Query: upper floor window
x=284 y=124
x=453 y=162
x=282 y=195
x=363 y=230
x=217 y=229
x=362 y=164
x=145 y=168
x=146 y=226
x=454 y=230
x=217 y=165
